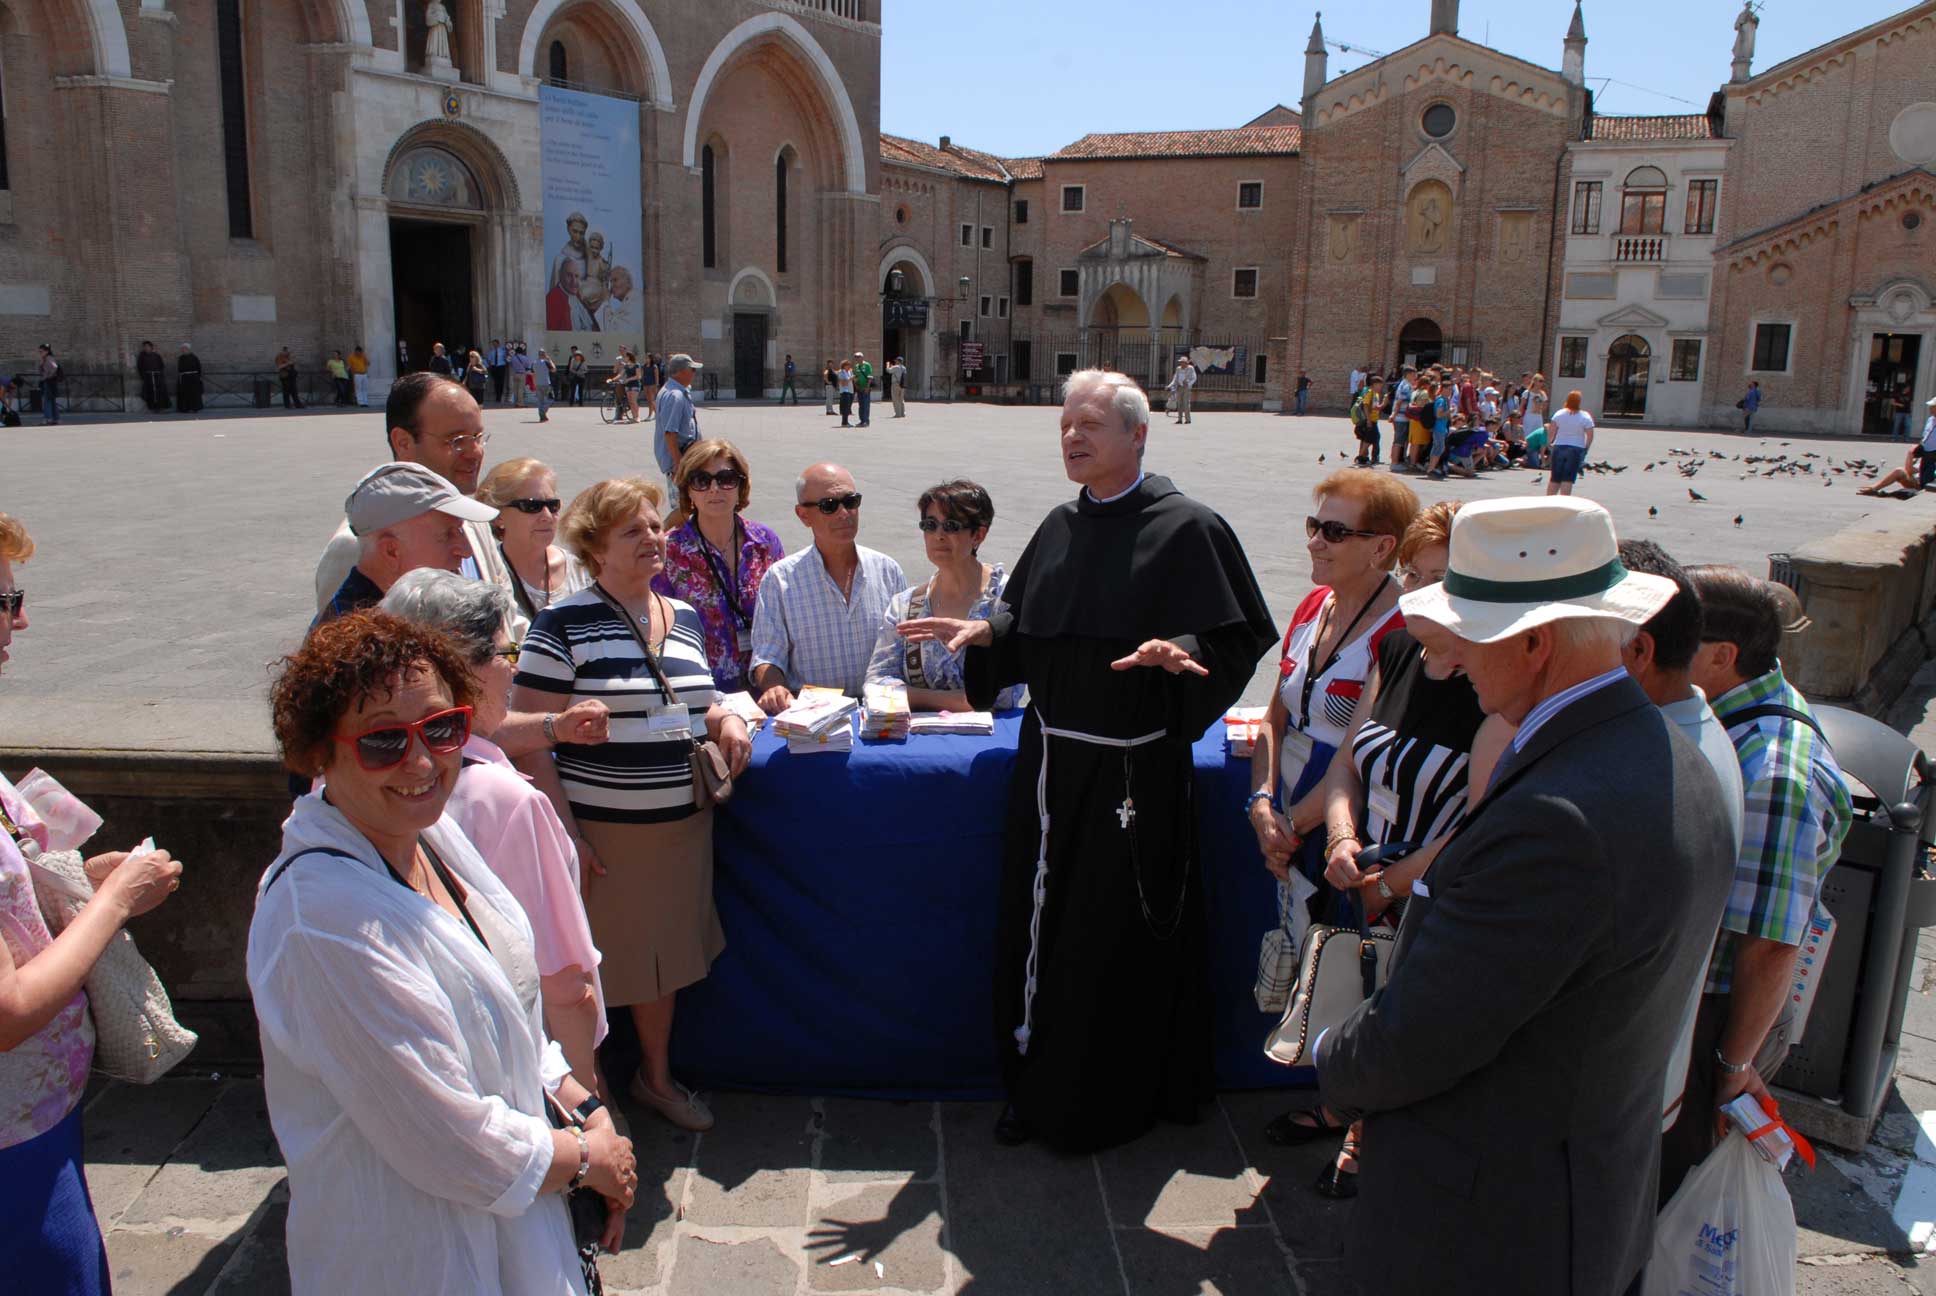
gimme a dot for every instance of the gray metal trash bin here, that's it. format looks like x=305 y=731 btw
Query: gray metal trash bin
x=1880 y=895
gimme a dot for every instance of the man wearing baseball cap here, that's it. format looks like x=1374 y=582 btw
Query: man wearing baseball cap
x=404 y=516
x=1511 y=1067
x=678 y=422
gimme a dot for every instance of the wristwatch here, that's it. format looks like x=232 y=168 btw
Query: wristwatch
x=1727 y=1067
x=1384 y=890
x=583 y=1111
x=551 y=735
x=584 y=1162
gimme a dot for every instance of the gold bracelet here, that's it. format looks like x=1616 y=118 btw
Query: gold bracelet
x=1333 y=836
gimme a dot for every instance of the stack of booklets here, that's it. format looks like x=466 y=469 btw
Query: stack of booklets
x=953 y=722
x=820 y=720
x=884 y=713
x=1241 y=727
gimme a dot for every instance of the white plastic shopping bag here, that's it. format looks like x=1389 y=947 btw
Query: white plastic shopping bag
x=1729 y=1230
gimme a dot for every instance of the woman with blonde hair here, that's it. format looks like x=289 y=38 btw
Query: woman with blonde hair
x=716 y=557
x=1418 y=752
x=630 y=804
x=525 y=493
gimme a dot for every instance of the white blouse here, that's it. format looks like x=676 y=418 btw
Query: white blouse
x=405 y=1075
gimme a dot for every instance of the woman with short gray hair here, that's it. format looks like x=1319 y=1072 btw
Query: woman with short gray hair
x=512 y=824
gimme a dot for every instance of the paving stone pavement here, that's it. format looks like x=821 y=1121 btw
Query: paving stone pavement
x=202 y=535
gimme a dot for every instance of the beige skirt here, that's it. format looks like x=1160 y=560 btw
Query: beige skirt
x=652 y=913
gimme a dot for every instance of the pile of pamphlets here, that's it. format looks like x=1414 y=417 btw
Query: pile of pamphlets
x=884 y=711
x=742 y=705
x=1241 y=726
x=953 y=722
x=820 y=720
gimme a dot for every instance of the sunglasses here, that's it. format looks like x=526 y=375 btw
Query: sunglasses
x=508 y=654
x=1334 y=532
x=535 y=506
x=834 y=503
x=442 y=732
x=12 y=601
x=953 y=526
x=725 y=479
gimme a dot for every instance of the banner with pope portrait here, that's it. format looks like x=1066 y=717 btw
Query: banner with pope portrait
x=594 y=289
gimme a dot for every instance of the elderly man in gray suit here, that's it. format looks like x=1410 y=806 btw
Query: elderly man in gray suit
x=1510 y=1070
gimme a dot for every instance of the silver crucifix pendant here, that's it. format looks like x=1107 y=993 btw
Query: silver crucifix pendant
x=1126 y=812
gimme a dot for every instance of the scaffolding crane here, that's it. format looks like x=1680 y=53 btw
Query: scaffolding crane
x=1344 y=48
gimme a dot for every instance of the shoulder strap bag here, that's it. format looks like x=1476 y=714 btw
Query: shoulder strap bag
x=712 y=778
x=1768 y=711
x=1343 y=967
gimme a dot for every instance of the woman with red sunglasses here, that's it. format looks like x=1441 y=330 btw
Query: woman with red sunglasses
x=403 y=1041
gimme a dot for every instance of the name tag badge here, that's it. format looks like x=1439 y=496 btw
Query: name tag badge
x=664 y=718
x=1293 y=754
x=1383 y=802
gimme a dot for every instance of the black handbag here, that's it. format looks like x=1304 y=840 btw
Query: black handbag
x=586 y=1206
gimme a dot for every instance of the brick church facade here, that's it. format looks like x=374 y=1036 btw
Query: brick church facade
x=250 y=174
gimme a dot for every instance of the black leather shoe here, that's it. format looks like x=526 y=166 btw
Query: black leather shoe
x=1288 y=1131
x=1010 y=1129
x=1334 y=1181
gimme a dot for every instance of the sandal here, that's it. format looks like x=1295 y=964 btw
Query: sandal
x=1289 y=1130
x=1336 y=1182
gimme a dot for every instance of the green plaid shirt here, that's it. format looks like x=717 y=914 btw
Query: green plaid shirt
x=1796 y=814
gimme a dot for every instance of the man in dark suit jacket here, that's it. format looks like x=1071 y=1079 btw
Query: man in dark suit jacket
x=1510 y=1070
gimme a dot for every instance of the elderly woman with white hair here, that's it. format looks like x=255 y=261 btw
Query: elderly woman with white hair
x=512 y=824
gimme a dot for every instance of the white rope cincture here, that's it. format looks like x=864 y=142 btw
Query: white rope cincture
x=1041 y=885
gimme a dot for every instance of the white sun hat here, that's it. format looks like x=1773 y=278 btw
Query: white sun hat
x=1519 y=563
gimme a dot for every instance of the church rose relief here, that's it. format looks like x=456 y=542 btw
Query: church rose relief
x=1342 y=237
x=1428 y=216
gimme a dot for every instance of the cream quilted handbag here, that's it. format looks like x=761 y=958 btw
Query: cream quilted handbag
x=1343 y=966
x=136 y=1036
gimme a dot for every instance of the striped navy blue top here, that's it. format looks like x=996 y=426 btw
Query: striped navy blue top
x=580 y=647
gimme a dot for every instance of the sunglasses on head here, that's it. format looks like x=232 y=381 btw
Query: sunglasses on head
x=534 y=506
x=834 y=503
x=442 y=732
x=12 y=601
x=951 y=526
x=1334 y=532
x=725 y=479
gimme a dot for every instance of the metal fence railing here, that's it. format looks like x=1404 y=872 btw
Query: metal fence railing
x=81 y=391
x=1226 y=366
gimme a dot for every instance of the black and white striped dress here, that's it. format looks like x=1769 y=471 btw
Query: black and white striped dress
x=1415 y=748
x=579 y=646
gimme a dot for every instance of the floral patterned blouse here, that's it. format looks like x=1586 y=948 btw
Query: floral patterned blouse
x=695 y=572
x=940 y=669
x=42 y=1078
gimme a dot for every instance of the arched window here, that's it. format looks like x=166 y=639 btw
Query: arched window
x=1646 y=177
x=780 y=211
x=1643 y=201
x=708 y=242
x=560 y=70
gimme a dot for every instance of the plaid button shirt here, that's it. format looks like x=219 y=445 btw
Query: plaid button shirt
x=803 y=625
x=1796 y=814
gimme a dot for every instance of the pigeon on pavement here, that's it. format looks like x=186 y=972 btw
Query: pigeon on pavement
x=1695 y=495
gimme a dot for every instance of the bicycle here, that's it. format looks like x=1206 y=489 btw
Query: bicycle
x=608 y=404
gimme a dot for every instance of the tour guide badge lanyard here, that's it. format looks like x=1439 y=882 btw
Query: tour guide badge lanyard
x=1297 y=743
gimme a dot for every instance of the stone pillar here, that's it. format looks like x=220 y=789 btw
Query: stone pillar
x=375 y=293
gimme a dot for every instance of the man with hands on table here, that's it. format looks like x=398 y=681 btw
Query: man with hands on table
x=1102 y=991
x=820 y=608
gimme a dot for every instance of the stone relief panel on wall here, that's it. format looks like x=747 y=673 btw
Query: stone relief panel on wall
x=1342 y=237
x=1515 y=237
x=1428 y=218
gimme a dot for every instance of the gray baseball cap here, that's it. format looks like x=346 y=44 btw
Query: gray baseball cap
x=397 y=492
x=680 y=360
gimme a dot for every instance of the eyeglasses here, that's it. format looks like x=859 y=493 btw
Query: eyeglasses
x=952 y=526
x=12 y=601
x=1334 y=532
x=534 y=506
x=465 y=440
x=442 y=732
x=725 y=479
x=834 y=503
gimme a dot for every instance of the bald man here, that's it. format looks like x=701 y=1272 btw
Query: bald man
x=821 y=608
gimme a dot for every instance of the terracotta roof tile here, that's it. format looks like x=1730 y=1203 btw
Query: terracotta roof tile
x=969 y=163
x=1024 y=168
x=1685 y=126
x=1246 y=141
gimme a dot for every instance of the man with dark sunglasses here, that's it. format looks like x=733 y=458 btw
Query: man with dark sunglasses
x=1135 y=621
x=819 y=609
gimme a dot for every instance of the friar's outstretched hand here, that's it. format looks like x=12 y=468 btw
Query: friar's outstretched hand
x=1160 y=652
x=951 y=633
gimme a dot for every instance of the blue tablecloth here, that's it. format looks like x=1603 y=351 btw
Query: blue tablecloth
x=858 y=893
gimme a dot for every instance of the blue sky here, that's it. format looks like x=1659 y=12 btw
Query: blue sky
x=1023 y=77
